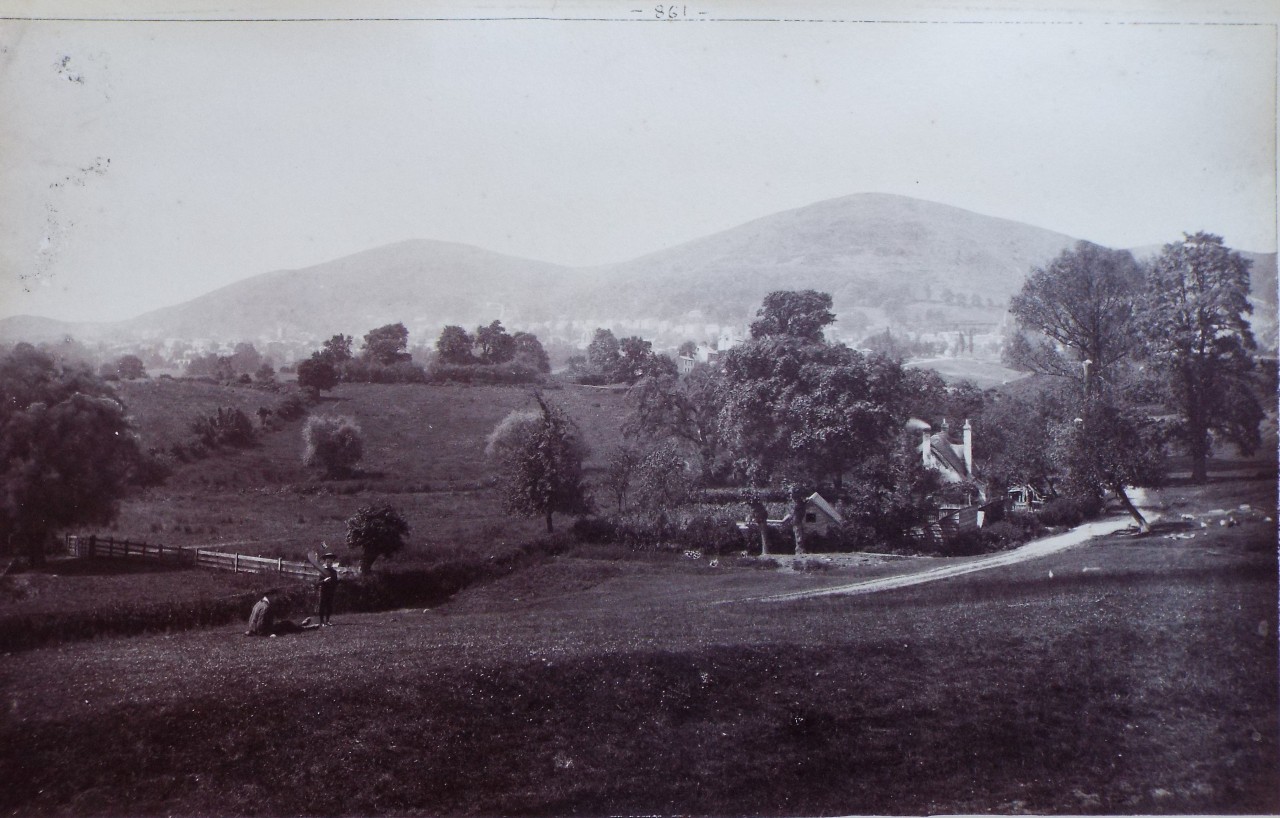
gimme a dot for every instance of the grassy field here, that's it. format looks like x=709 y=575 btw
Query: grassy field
x=1129 y=675
x=423 y=454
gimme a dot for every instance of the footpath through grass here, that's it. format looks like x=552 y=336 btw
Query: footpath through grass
x=1127 y=675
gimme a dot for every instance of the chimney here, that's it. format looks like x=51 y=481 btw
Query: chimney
x=968 y=448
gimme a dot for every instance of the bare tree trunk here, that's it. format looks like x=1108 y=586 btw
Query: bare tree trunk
x=761 y=515
x=550 y=528
x=1143 y=526
x=797 y=522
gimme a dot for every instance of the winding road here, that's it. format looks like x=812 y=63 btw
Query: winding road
x=1030 y=551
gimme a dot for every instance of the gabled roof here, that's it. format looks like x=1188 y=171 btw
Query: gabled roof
x=945 y=454
x=828 y=509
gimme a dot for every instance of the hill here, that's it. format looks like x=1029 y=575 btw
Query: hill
x=866 y=249
x=886 y=260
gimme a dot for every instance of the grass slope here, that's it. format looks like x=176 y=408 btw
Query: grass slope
x=423 y=453
x=1128 y=675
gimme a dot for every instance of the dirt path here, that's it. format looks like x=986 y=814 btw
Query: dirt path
x=1030 y=551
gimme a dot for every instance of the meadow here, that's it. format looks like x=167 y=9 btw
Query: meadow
x=1128 y=675
x=423 y=454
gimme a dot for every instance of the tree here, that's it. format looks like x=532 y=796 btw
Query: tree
x=801 y=413
x=317 y=374
x=1194 y=317
x=1081 y=308
x=332 y=443
x=635 y=357
x=495 y=345
x=662 y=480
x=386 y=345
x=603 y=353
x=454 y=346
x=266 y=374
x=376 y=531
x=67 y=449
x=665 y=406
x=539 y=457
x=245 y=359
x=529 y=351
x=129 y=367
x=337 y=350
x=1109 y=447
x=620 y=472
x=800 y=314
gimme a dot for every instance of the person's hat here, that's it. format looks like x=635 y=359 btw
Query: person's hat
x=329 y=555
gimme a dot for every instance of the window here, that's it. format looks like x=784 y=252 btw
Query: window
x=810 y=517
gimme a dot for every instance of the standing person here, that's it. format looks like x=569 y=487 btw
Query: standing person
x=328 y=584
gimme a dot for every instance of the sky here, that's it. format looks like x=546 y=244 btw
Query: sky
x=144 y=163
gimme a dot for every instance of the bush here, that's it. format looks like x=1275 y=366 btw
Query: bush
x=1062 y=511
x=593 y=530
x=332 y=443
x=712 y=532
x=225 y=427
x=511 y=372
x=291 y=408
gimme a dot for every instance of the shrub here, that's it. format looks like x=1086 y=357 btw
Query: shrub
x=713 y=532
x=332 y=443
x=1062 y=511
x=593 y=530
x=291 y=408
x=225 y=427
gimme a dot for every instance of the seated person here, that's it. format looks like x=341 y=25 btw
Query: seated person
x=263 y=622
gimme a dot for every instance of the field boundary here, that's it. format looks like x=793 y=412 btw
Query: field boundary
x=94 y=546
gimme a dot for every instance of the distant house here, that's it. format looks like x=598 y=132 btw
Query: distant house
x=820 y=517
x=965 y=506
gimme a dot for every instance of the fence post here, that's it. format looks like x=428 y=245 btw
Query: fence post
x=235 y=563
x=279 y=565
x=111 y=545
x=126 y=548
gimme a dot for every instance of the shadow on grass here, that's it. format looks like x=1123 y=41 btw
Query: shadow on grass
x=106 y=566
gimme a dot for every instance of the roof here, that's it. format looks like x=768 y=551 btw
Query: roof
x=819 y=501
x=945 y=454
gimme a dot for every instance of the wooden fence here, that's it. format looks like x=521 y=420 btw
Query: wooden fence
x=94 y=546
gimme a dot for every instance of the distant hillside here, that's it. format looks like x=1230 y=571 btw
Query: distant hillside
x=885 y=259
x=864 y=249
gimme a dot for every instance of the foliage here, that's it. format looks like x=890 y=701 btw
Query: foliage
x=66 y=445
x=332 y=443
x=529 y=352
x=800 y=314
x=510 y=373
x=1195 y=318
x=1109 y=447
x=665 y=407
x=215 y=366
x=494 y=344
x=376 y=531
x=1080 y=308
x=317 y=374
x=368 y=370
x=662 y=480
x=620 y=472
x=454 y=346
x=245 y=359
x=386 y=345
x=539 y=457
x=337 y=350
x=227 y=426
x=129 y=367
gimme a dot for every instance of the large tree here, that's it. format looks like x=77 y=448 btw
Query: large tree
x=664 y=406
x=1195 y=319
x=1083 y=323
x=386 y=345
x=1079 y=308
x=66 y=448
x=801 y=314
x=317 y=374
x=539 y=457
x=803 y=413
x=494 y=344
x=454 y=346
